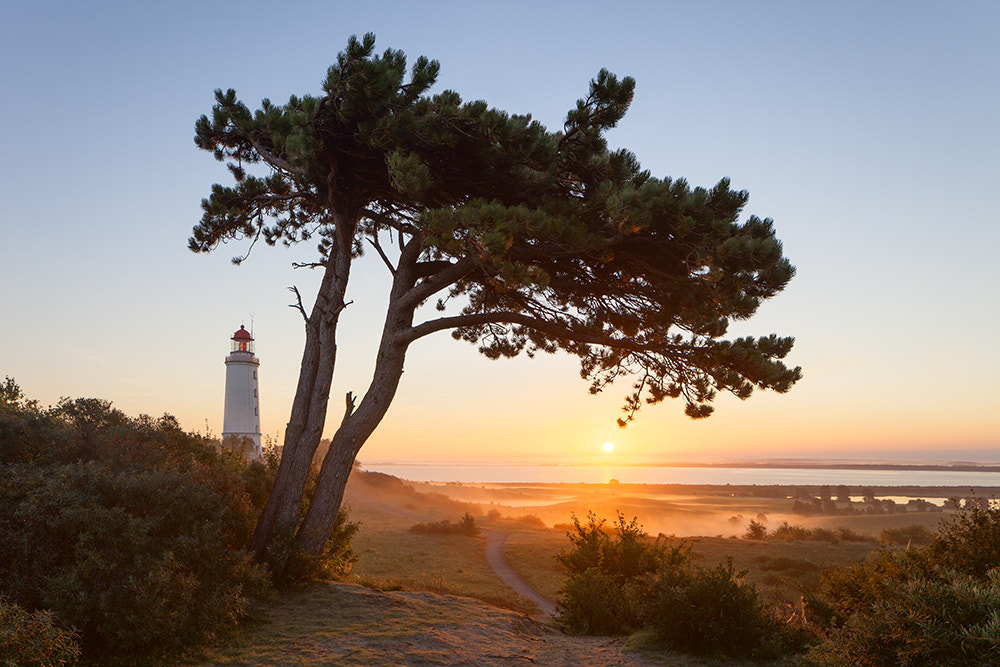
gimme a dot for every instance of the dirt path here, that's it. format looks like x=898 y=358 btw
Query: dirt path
x=497 y=560
x=494 y=556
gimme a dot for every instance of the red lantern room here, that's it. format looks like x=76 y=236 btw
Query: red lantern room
x=242 y=341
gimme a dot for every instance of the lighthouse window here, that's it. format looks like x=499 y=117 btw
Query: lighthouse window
x=255 y=393
x=255 y=412
x=255 y=375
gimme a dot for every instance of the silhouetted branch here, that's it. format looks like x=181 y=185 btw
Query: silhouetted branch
x=298 y=303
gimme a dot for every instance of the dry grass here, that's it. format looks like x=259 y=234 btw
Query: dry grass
x=343 y=624
x=532 y=555
x=391 y=557
x=418 y=599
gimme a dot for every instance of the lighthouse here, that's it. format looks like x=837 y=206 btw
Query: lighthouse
x=242 y=415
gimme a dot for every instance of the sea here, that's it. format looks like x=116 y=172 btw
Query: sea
x=717 y=475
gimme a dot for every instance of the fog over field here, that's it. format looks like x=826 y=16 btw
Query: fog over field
x=680 y=510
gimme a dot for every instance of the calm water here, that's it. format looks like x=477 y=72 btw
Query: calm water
x=667 y=475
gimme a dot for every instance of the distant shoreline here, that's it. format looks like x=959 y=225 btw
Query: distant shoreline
x=822 y=465
x=740 y=490
x=761 y=465
x=760 y=473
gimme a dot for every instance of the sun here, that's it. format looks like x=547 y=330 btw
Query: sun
x=608 y=446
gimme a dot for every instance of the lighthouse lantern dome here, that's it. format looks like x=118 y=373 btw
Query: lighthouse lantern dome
x=242 y=341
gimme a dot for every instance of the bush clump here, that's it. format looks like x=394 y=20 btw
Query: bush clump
x=714 y=611
x=785 y=532
x=907 y=535
x=932 y=605
x=131 y=532
x=336 y=561
x=465 y=526
x=136 y=561
x=621 y=581
x=33 y=640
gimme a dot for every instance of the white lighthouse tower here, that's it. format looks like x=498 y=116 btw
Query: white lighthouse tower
x=242 y=416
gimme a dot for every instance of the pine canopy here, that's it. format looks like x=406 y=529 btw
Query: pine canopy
x=528 y=240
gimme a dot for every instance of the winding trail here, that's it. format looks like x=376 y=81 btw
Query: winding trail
x=497 y=560
x=494 y=556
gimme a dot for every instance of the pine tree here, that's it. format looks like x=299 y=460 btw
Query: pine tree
x=548 y=240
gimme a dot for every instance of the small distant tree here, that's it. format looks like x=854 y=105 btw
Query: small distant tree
x=756 y=530
x=528 y=241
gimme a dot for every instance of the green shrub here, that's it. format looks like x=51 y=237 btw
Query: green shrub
x=33 y=640
x=595 y=603
x=137 y=561
x=713 y=611
x=846 y=534
x=609 y=575
x=969 y=541
x=946 y=620
x=790 y=533
x=131 y=531
x=755 y=531
x=620 y=581
x=465 y=526
x=907 y=535
x=531 y=520
x=929 y=605
x=336 y=561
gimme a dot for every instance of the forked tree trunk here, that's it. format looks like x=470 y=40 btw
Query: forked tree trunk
x=274 y=533
x=358 y=426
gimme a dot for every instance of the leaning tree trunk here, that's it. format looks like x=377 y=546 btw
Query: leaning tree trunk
x=275 y=528
x=357 y=426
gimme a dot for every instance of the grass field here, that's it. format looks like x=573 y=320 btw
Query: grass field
x=433 y=599
x=538 y=517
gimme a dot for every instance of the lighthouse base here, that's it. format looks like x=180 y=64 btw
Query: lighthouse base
x=246 y=443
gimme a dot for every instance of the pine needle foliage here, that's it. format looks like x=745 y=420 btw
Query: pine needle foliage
x=562 y=243
x=528 y=240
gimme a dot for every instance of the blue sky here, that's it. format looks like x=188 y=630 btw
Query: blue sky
x=868 y=131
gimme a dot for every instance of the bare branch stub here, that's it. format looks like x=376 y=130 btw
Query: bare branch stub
x=298 y=303
x=349 y=406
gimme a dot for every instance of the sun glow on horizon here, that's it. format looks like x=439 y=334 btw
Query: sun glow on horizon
x=608 y=446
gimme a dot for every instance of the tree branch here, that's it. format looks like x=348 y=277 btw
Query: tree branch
x=438 y=280
x=381 y=253
x=268 y=156
x=260 y=226
x=521 y=319
x=349 y=409
x=399 y=219
x=298 y=303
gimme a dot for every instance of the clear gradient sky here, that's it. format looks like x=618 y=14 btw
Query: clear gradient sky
x=869 y=131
